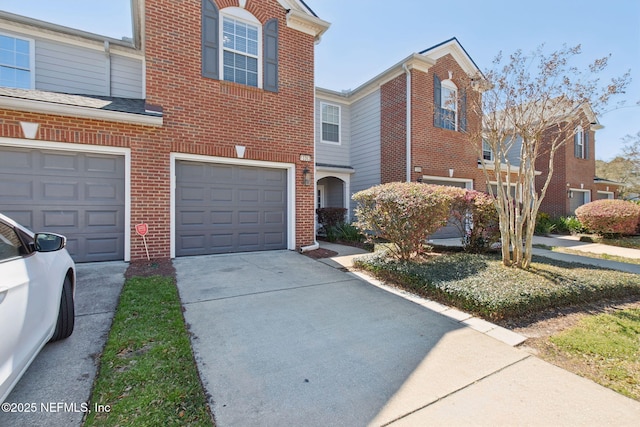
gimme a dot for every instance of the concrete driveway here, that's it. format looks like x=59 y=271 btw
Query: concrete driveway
x=62 y=375
x=281 y=339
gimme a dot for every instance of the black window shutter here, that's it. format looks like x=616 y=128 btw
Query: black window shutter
x=437 y=94
x=586 y=144
x=463 y=112
x=271 y=55
x=210 y=22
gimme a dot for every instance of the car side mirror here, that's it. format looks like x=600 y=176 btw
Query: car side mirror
x=49 y=242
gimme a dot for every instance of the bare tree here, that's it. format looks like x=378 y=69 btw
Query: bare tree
x=529 y=105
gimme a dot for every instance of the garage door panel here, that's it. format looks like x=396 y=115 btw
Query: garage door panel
x=16 y=160
x=242 y=208
x=52 y=191
x=59 y=162
x=13 y=188
x=449 y=230
x=80 y=195
x=222 y=195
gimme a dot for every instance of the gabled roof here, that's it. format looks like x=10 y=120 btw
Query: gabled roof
x=453 y=47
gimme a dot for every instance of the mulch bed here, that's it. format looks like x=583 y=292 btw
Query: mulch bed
x=155 y=267
x=321 y=253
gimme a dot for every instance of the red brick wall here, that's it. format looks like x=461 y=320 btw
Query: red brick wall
x=434 y=149
x=201 y=116
x=211 y=117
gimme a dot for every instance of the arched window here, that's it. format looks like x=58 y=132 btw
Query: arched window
x=449 y=105
x=236 y=47
x=241 y=53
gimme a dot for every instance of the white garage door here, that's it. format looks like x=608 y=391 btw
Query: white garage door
x=79 y=195
x=224 y=208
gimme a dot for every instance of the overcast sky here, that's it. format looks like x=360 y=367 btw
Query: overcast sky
x=366 y=37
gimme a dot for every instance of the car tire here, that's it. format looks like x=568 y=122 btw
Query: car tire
x=66 y=314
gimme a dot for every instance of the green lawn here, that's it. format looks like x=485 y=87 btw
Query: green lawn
x=589 y=254
x=480 y=284
x=147 y=374
x=609 y=346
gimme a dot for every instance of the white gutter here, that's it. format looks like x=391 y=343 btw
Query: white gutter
x=408 y=125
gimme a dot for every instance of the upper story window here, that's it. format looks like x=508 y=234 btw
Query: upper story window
x=16 y=68
x=487 y=152
x=449 y=105
x=241 y=54
x=330 y=123
x=236 y=47
x=581 y=143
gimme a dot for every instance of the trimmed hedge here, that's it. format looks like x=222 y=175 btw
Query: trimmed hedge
x=609 y=217
x=404 y=213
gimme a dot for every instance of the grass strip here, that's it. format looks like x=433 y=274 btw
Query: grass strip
x=608 y=349
x=480 y=284
x=607 y=257
x=147 y=373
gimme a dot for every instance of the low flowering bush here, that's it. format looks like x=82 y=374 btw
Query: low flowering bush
x=404 y=213
x=476 y=217
x=609 y=217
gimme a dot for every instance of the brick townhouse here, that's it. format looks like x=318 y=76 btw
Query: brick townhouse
x=201 y=127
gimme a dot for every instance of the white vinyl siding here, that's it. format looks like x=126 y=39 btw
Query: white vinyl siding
x=334 y=154
x=126 y=77
x=70 y=69
x=365 y=143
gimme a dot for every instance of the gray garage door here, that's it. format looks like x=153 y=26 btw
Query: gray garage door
x=229 y=208
x=448 y=231
x=80 y=195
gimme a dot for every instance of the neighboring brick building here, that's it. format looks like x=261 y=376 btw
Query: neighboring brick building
x=573 y=182
x=202 y=127
x=381 y=132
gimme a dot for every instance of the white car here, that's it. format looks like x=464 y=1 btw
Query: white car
x=37 y=286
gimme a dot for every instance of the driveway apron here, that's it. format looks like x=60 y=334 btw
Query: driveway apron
x=281 y=339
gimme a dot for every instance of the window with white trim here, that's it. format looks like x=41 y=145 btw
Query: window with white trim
x=330 y=123
x=578 y=143
x=487 y=152
x=241 y=51
x=449 y=104
x=16 y=66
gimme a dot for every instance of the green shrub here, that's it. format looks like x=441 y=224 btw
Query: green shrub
x=544 y=224
x=474 y=214
x=609 y=217
x=404 y=213
x=567 y=224
x=330 y=217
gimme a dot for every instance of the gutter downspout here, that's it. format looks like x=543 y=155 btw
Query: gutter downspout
x=408 y=124
x=313 y=247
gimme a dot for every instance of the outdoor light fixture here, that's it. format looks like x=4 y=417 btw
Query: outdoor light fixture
x=306 y=176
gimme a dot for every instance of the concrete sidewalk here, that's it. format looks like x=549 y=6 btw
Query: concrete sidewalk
x=281 y=339
x=572 y=242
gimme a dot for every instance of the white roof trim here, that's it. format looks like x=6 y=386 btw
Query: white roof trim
x=33 y=106
x=413 y=62
x=306 y=23
x=458 y=53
